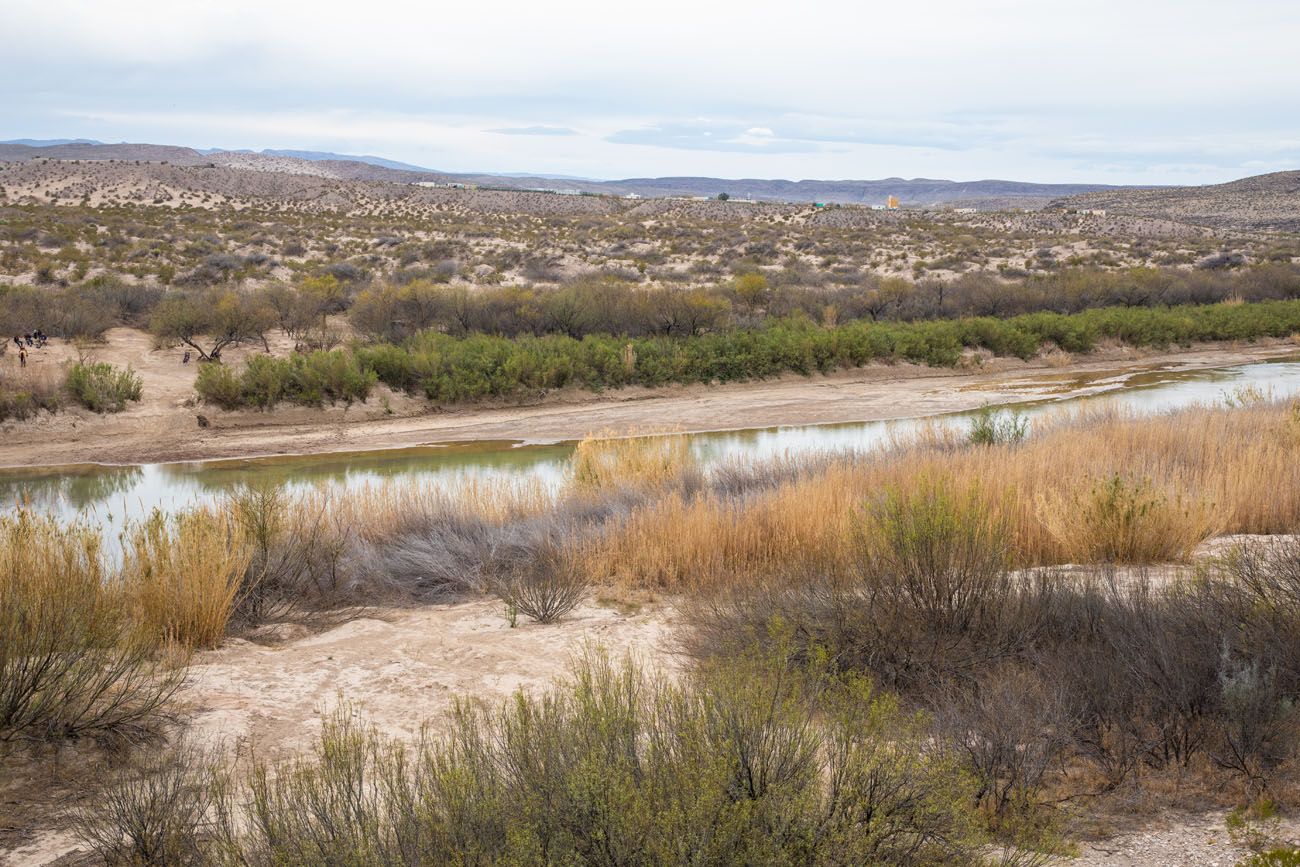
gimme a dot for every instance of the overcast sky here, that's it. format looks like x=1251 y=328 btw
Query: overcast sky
x=1113 y=91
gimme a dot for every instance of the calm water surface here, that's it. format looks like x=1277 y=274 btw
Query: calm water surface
x=111 y=495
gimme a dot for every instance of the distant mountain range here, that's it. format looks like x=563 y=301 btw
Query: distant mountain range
x=914 y=191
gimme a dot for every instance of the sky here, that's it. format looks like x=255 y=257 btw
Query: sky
x=1092 y=91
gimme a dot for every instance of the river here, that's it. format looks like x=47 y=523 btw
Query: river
x=111 y=495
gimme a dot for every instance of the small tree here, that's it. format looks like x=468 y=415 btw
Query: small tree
x=208 y=322
x=751 y=289
x=722 y=197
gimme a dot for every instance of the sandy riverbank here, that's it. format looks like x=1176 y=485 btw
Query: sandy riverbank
x=165 y=425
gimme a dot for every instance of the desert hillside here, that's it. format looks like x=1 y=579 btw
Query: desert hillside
x=1265 y=202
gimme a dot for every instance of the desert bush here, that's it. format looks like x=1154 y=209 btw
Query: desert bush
x=101 y=387
x=937 y=548
x=1270 y=572
x=1012 y=727
x=297 y=547
x=311 y=379
x=545 y=587
x=184 y=575
x=72 y=662
x=991 y=426
x=1126 y=521
x=220 y=385
x=24 y=392
x=156 y=813
x=755 y=764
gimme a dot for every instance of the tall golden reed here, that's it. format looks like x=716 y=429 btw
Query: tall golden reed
x=1087 y=487
x=183 y=575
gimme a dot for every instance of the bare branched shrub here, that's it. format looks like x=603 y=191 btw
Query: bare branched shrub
x=545 y=587
x=157 y=813
x=1012 y=726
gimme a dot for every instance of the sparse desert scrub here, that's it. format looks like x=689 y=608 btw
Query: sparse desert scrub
x=72 y=661
x=26 y=391
x=759 y=762
x=1052 y=685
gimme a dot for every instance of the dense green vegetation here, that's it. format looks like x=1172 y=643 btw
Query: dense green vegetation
x=449 y=369
x=311 y=379
x=101 y=387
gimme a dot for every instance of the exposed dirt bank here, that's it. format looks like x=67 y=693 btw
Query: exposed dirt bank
x=165 y=426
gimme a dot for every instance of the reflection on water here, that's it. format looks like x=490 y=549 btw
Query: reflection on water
x=68 y=488
x=110 y=495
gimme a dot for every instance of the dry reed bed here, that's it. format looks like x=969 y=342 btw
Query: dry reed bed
x=1087 y=487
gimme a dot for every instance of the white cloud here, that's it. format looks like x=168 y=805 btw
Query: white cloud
x=1097 y=89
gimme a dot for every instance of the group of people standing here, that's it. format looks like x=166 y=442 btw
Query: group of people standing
x=35 y=339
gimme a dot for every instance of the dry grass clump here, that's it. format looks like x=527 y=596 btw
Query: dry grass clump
x=1123 y=521
x=1091 y=487
x=609 y=461
x=26 y=391
x=184 y=574
x=72 y=661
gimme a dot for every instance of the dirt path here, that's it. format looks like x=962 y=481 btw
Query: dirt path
x=401 y=668
x=164 y=427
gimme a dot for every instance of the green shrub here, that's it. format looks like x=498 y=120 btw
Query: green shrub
x=313 y=379
x=218 y=384
x=479 y=366
x=101 y=387
x=936 y=549
x=990 y=426
x=757 y=763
